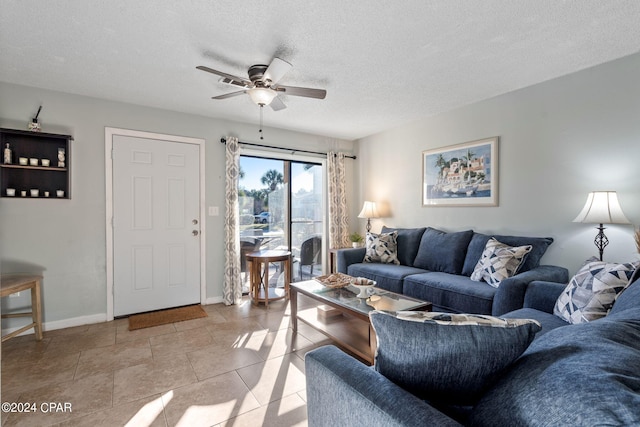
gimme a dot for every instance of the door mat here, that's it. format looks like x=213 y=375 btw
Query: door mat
x=163 y=317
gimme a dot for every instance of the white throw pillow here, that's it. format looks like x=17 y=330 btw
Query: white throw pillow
x=382 y=248
x=591 y=293
x=499 y=261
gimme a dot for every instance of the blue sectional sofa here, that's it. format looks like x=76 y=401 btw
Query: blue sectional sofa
x=436 y=266
x=584 y=374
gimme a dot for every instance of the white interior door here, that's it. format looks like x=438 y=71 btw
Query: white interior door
x=156 y=224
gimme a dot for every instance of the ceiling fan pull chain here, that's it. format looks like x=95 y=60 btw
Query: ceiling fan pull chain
x=260 y=131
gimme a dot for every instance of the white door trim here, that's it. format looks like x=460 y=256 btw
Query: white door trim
x=109 y=133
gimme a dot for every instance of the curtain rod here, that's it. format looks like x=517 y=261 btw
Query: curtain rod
x=224 y=141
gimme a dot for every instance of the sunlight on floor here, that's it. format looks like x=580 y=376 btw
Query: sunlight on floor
x=149 y=412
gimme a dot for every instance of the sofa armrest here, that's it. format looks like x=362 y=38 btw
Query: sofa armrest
x=346 y=257
x=543 y=295
x=341 y=391
x=511 y=292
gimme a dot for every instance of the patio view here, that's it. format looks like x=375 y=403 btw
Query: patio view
x=280 y=203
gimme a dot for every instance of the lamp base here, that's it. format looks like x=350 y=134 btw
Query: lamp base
x=601 y=240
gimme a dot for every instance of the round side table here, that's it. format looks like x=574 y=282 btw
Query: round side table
x=259 y=275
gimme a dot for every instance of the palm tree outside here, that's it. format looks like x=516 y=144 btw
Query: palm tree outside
x=272 y=178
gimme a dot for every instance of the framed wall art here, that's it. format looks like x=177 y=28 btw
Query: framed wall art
x=461 y=175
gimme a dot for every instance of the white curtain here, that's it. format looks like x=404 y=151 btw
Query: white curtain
x=338 y=215
x=232 y=288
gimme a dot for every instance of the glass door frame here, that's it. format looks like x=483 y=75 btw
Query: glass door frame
x=300 y=158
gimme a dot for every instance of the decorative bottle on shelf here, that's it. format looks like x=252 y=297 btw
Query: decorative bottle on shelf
x=61 y=157
x=7 y=154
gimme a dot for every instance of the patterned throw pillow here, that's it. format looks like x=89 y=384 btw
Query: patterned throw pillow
x=382 y=248
x=499 y=262
x=463 y=354
x=591 y=293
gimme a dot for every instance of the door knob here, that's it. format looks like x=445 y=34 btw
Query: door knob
x=194 y=232
x=195 y=222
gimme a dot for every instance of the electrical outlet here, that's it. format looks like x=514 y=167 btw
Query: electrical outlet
x=214 y=211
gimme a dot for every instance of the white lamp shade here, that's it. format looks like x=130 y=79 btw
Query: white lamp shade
x=602 y=207
x=369 y=210
x=262 y=95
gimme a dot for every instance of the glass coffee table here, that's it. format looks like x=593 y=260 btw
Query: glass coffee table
x=343 y=317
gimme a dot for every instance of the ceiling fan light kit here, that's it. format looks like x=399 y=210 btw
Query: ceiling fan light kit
x=262 y=95
x=262 y=85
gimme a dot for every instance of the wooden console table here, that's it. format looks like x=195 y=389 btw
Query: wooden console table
x=14 y=283
x=333 y=262
x=260 y=291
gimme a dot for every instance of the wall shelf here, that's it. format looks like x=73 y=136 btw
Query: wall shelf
x=24 y=178
x=40 y=168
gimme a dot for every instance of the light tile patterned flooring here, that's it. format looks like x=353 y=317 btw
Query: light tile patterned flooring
x=239 y=366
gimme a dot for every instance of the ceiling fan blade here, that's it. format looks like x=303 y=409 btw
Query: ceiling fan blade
x=302 y=91
x=235 y=83
x=276 y=70
x=277 y=104
x=240 y=80
x=229 y=95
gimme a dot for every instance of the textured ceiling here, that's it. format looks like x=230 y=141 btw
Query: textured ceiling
x=382 y=63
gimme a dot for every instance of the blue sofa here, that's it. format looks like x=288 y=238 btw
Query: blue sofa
x=580 y=375
x=436 y=266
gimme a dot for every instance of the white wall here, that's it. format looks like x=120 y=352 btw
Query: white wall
x=65 y=239
x=558 y=141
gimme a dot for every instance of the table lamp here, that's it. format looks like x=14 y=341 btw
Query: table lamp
x=369 y=211
x=602 y=207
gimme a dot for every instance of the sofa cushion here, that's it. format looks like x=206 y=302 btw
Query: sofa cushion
x=450 y=292
x=382 y=248
x=479 y=241
x=591 y=293
x=547 y=321
x=444 y=357
x=499 y=261
x=408 y=243
x=443 y=252
x=584 y=374
x=387 y=276
x=629 y=297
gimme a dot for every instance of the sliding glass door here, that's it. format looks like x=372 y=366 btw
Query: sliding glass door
x=281 y=207
x=306 y=219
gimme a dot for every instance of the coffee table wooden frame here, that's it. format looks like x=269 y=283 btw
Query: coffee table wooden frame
x=352 y=331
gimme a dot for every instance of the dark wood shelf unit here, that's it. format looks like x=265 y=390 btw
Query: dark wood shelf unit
x=37 y=145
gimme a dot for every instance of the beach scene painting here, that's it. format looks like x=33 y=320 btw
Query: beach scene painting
x=461 y=175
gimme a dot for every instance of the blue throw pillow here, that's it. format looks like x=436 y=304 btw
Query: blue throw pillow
x=408 y=243
x=478 y=242
x=447 y=358
x=442 y=252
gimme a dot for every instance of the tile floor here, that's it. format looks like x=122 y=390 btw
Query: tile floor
x=239 y=366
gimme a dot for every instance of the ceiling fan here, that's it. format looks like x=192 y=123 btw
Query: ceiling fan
x=262 y=85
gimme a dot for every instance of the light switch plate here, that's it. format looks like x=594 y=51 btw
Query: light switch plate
x=214 y=211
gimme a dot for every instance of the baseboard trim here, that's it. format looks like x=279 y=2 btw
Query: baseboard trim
x=61 y=324
x=84 y=320
x=213 y=300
